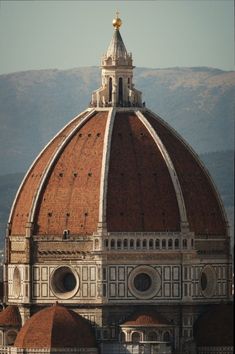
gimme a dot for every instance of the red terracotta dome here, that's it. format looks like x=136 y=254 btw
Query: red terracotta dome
x=146 y=319
x=55 y=327
x=10 y=317
x=125 y=169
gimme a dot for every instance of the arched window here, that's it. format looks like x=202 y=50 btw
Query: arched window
x=151 y=244
x=112 y=244
x=157 y=243
x=119 y=244
x=185 y=243
x=170 y=243
x=125 y=243
x=138 y=243
x=120 y=91
x=166 y=337
x=110 y=89
x=144 y=243
x=135 y=337
x=152 y=336
x=106 y=243
x=177 y=244
x=163 y=243
x=96 y=243
x=131 y=243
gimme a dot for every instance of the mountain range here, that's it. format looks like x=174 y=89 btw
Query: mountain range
x=34 y=105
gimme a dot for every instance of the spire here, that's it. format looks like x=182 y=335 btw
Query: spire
x=117 y=53
x=117 y=49
x=117 y=89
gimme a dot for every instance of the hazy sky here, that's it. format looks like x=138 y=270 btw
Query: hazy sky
x=160 y=33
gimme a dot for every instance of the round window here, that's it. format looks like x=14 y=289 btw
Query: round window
x=67 y=282
x=144 y=282
x=64 y=282
x=203 y=281
x=208 y=281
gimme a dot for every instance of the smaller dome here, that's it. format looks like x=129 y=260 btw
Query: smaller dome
x=55 y=327
x=146 y=319
x=10 y=317
x=215 y=327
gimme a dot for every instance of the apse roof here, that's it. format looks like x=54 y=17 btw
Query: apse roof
x=146 y=319
x=10 y=317
x=55 y=327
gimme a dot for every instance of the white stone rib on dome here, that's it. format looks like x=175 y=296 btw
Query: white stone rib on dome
x=52 y=161
x=200 y=163
x=105 y=167
x=36 y=160
x=171 y=169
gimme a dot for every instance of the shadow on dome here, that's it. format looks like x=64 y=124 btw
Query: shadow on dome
x=215 y=327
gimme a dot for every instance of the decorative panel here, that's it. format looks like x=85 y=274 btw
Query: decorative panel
x=44 y=288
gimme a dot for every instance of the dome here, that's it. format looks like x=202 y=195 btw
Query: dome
x=121 y=168
x=145 y=319
x=215 y=327
x=10 y=317
x=115 y=216
x=55 y=327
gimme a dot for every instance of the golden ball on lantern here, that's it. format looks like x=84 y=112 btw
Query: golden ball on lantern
x=117 y=22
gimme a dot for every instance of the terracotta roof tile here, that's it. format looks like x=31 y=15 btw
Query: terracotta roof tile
x=10 y=317
x=55 y=327
x=140 y=192
x=27 y=191
x=70 y=199
x=140 y=196
x=203 y=208
x=146 y=319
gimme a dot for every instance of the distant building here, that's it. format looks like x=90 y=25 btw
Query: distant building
x=119 y=222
